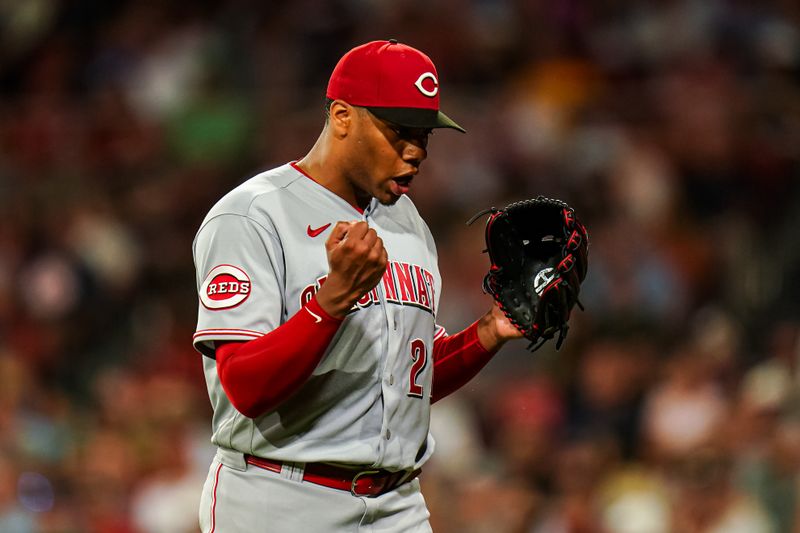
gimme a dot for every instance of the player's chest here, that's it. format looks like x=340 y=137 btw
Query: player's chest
x=411 y=277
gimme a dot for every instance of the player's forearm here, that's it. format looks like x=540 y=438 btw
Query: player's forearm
x=335 y=299
x=457 y=359
x=260 y=374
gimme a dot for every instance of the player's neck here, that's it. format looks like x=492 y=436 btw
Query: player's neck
x=318 y=165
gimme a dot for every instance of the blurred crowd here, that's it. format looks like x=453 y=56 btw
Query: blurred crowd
x=673 y=127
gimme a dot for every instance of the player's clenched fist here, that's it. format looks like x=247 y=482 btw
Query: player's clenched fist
x=357 y=261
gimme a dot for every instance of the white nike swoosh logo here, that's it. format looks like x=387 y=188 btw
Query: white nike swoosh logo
x=317 y=317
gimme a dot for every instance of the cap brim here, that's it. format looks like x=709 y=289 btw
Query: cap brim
x=411 y=117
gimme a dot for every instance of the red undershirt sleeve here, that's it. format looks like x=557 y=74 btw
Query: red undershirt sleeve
x=456 y=360
x=260 y=374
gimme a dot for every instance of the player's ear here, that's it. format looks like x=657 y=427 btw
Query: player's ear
x=341 y=117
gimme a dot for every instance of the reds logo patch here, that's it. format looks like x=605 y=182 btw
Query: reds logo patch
x=225 y=286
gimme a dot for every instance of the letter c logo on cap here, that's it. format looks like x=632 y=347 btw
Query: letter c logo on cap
x=430 y=93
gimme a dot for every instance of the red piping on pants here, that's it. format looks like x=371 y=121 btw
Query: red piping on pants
x=214 y=500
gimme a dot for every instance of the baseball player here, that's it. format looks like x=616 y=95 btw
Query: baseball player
x=318 y=288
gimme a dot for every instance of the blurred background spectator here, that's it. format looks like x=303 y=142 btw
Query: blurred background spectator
x=673 y=127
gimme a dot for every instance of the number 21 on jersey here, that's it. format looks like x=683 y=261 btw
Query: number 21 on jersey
x=419 y=359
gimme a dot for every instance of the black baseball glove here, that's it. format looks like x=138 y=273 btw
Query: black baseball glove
x=539 y=255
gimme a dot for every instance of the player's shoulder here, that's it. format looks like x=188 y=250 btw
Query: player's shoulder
x=405 y=213
x=407 y=207
x=405 y=210
x=262 y=187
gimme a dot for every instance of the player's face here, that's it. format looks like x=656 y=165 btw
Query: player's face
x=387 y=159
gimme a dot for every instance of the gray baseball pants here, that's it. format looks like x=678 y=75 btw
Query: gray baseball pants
x=242 y=498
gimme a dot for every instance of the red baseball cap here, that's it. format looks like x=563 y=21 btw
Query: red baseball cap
x=394 y=81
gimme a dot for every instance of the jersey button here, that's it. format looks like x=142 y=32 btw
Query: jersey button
x=391 y=379
x=388 y=434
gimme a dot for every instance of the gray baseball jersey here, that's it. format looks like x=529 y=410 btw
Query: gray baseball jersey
x=259 y=256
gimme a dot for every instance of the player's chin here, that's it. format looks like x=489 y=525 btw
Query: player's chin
x=393 y=190
x=387 y=196
x=388 y=199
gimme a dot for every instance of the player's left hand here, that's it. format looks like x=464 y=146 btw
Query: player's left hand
x=494 y=329
x=505 y=329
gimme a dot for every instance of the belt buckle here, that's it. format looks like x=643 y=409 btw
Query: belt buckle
x=357 y=477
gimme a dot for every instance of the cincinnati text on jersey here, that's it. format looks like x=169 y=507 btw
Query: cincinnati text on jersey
x=403 y=284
